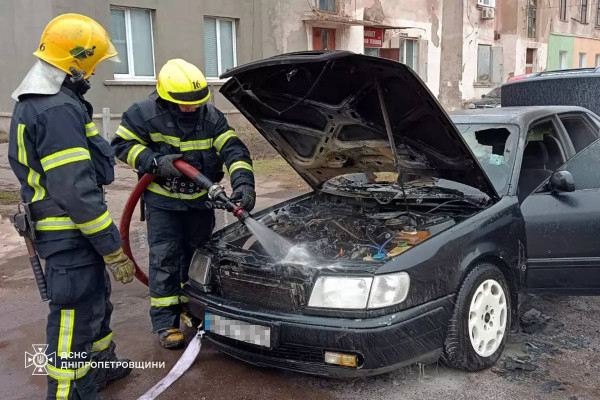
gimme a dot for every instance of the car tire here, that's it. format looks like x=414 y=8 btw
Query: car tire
x=480 y=321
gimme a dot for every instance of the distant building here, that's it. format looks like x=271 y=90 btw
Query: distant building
x=460 y=48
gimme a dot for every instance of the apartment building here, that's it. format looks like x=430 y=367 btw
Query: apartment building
x=460 y=48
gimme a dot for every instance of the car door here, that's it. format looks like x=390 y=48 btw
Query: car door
x=563 y=231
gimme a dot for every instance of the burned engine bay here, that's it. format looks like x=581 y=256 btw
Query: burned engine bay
x=332 y=228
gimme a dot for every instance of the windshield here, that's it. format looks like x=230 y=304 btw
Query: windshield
x=494 y=92
x=494 y=145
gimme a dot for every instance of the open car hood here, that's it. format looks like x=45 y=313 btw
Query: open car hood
x=321 y=112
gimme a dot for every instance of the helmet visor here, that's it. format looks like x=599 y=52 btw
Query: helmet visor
x=196 y=95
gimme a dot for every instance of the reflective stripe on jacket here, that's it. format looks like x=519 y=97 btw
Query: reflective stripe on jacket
x=148 y=129
x=56 y=152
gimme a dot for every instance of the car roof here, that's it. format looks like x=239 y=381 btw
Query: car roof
x=510 y=115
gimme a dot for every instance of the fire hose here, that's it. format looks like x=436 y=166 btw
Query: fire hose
x=216 y=193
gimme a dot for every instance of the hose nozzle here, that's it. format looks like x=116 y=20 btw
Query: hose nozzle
x=241 y=214
x=215 y=191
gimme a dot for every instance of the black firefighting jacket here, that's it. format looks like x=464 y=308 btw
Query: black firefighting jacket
x=154 y=127
x=61 y=162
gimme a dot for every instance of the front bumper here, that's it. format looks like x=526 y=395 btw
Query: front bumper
x=299 y=341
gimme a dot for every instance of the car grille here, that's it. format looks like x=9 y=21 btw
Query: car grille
x=265 y=292
x=284 y=351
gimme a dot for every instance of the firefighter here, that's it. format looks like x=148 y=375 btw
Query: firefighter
x=62 y=162
x=176 y=122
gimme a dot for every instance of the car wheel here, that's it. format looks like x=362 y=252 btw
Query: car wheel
x=480 y=321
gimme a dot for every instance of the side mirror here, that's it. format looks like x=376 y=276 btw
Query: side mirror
x=483 y=96
x=561 y=181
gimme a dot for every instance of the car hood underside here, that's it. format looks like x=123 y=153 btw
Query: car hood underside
x=322 y=111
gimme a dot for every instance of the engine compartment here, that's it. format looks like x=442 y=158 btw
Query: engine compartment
x=335 y=228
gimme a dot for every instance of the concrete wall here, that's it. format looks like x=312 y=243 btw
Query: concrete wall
x=424 y=19
x=178 y=32
x=451 y=53
x=507 y=30
x=572 y=25
x=283 y=30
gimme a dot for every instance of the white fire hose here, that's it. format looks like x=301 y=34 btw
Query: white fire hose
x=183 y=364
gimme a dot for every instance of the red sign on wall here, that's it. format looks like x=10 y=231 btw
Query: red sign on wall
x=373 y=37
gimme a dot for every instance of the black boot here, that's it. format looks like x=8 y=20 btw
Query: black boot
x=103 y=376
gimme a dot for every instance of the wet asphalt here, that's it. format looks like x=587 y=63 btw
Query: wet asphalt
x=565 y=359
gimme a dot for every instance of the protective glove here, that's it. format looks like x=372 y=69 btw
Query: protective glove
x=244 y=196
x=165 y=168
x=120 y=266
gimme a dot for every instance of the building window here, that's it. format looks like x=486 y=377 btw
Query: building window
x=584 y=10
x=372 y=51
x=323 y=39
x=597 y=60
x=484 y=58
x=531 y=18
x=562 y=59
x=219 y=46
x=131 y=33
x=487 y=3
x=563 y=10
x=598 y=14
x=582 y=57
x=327 y=5
x=411 y=54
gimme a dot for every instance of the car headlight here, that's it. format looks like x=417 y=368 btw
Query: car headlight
x=340 y=292
x=200 y=268
x=359 y=293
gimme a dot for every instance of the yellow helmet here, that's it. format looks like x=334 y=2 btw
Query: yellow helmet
x=182 y=83
x=75 y=41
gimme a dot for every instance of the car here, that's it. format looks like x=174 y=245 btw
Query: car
x=488 y=100
x=421 y=230
x=577 y=87
x=519 y=77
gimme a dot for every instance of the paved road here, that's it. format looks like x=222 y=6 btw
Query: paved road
x=565 y=353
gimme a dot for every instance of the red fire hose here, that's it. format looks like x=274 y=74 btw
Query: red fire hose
x=132 y=201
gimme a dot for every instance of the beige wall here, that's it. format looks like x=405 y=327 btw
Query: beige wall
x=591 y=47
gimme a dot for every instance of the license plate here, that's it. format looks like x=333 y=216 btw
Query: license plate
x=259 y=335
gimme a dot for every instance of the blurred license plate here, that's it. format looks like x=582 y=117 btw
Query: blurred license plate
x=239 y=330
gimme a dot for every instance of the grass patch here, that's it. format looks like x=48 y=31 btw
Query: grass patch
x=3 y=137
x=8 y=198
x=272 y=166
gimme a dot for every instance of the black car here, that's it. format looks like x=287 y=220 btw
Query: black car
x=570 y=87
x=489 y=100
x=405 y=256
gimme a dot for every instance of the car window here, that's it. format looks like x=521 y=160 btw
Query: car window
x=542 y=156
x=585 y=167
x=494 y=92
x=581 y=132
x=494 y=146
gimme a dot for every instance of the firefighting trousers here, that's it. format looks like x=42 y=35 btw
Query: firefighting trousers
x=79 y=321
x=173 y=236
